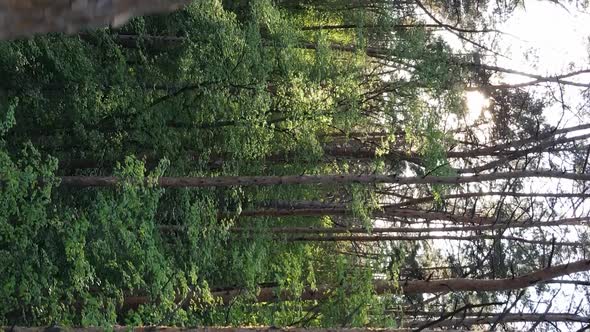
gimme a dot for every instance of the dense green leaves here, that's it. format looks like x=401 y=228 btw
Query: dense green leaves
x=219 y=88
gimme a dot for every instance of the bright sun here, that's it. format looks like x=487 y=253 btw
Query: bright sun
x=476 y=102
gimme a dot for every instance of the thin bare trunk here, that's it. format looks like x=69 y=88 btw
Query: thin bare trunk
x=380 y=238
x=536 y=79
x=380 y=230
x=394 y=27
x=428 y=199
x=539 y=148
x=326 y=209
x=228 y=181
x=499 y=148
x=368 y=26
x=410 y=287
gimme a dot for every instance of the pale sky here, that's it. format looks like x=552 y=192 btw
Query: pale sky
x=545 y=39
x=552 y=40
x=558 y=36
x=542 y=38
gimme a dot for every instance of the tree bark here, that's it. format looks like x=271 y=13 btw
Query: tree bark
x=428 y=199
x=377 y=230
x=536 y=79
x=412 y=287
x=20 y=18
x=133 y=41
x=527 y=280
x=484 y=319
x=394 y=27
x=118 y=328
x=496 y=149
x=370 y=153
x=229 y=181
x=312 y=208
x=380 y=238
x=543 y=146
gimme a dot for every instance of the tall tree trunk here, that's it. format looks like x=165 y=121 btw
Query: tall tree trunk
x=394 y=27
x=412 y=287
x=133 y=41
x=543 y=146
x=370 y=152
x=386 y=211
x=499 y=148
x=583 y=221
x=27 y=17
x=485 y=319
x=536 y=79
x=118 y=328
x=428 y=199
x=229 y=181
x=381 y=238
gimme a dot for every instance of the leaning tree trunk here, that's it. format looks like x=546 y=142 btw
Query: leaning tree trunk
x=382 y=238
x=229 y=181
x=487 y=319
x=582 y=221
x=19 y=18
x=411 y=287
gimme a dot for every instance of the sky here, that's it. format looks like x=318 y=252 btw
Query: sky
x=551 y=40
x=547 y=39
x=558 y=36
x=543 y=38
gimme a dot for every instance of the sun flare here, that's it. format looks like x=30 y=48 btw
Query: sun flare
x=476 y=102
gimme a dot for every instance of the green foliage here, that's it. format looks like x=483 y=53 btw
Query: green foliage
x=362 y=204
x=27 y=226
x=219 y=88
x=349 y=303
x=8 y=121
